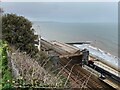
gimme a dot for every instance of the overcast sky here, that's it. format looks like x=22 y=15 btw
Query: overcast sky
x=65 y=11
x=60 y=0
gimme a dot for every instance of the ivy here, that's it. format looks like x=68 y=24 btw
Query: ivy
x=6 y=74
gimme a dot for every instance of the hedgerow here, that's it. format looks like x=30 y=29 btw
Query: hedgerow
x=5 y=71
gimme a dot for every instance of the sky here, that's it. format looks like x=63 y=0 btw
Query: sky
x=65 y=11
x=60 y=0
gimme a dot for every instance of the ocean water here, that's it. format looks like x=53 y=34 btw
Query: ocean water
x=101 y=35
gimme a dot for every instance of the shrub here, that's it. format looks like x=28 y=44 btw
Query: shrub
x=18 y=31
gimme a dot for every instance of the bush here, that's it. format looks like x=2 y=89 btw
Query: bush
x=17 y=30
x=6 y=74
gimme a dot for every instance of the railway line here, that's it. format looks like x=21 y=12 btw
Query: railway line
x=76 y=82
x=85 y=79
x=93 y=82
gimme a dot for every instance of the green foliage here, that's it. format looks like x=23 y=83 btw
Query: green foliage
x=7 y=86
x=6 y=74
x=18 y=31
x=4 y=60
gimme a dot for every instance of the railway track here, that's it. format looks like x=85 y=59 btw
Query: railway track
x=77 y=82
x=83 y=81
x=81 y=78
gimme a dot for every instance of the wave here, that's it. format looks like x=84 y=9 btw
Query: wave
x=103 y=55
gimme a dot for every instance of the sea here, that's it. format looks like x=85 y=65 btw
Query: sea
x=101 y=35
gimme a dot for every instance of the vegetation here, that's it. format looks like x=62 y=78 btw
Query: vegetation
x=5 y=81
x=26 y=71
x=32 y=74
x=18 y=31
